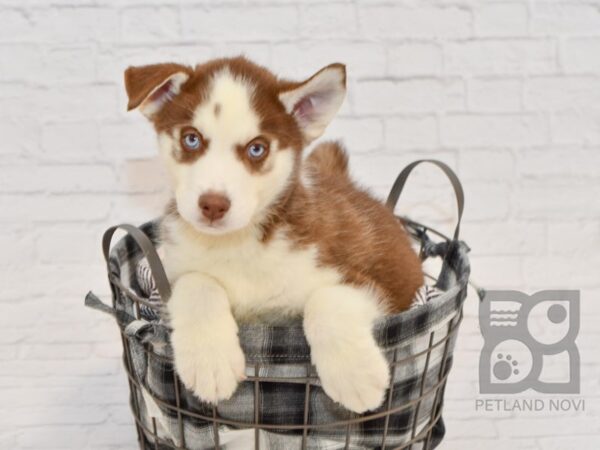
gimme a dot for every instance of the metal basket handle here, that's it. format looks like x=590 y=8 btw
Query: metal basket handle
x=156 y=267
x=396 y=190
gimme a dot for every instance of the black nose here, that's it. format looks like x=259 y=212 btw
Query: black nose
x=213 y=205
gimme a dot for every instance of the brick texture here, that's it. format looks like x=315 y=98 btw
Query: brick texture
x=507 y=92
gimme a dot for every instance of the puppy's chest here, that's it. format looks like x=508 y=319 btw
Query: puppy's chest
x=257 y=276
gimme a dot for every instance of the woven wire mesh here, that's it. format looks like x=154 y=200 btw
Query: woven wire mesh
x=428 y=401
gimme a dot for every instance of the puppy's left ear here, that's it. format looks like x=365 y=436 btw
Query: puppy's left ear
x=314 y=102
x=150 y=87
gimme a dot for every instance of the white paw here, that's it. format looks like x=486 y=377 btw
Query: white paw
x=356 y=376
x=210 y=366
x=206 y=348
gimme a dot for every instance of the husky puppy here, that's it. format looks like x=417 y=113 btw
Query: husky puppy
x=256 y=231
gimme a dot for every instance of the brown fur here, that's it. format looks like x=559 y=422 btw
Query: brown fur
x=353 y=232
x=285 y=85
x=329 y=158
x=141 y=81
x=275 y=124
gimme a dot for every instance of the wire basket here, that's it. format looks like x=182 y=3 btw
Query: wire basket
x=281 y=404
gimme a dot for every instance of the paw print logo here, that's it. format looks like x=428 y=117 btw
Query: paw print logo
x=522 y=333
x=505 y=366
x=510 y=362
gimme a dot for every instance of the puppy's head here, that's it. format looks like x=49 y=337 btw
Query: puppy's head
x=231 y=133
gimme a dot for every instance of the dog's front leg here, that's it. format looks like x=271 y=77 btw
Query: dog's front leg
x=207 y=352
x=338 y=323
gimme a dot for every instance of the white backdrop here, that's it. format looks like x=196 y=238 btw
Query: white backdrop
x=506 y=92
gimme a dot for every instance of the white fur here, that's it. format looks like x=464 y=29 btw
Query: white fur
x=338 y=323
x=220 y=169
x=224 y=271
x=271 y=279
x=207 y=352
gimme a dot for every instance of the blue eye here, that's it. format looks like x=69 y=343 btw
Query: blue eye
x=191 y=141
x=256 y=150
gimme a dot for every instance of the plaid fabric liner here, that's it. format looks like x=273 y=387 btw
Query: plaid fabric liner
x=282 y=351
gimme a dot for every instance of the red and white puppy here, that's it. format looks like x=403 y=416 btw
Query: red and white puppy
x=255 y=231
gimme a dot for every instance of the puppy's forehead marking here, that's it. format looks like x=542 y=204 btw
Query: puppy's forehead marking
x=227 y=116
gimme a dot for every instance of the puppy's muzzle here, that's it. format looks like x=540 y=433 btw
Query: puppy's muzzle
x=214 y=205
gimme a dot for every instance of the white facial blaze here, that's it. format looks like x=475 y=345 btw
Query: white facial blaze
x=226 y=119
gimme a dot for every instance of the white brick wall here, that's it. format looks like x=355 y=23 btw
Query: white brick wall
x=507 y=92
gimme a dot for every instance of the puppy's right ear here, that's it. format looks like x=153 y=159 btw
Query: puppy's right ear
x=150 y=87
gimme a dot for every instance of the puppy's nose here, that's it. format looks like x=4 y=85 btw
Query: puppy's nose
x=213 y=205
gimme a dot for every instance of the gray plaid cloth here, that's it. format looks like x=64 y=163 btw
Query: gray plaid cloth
x=282 y=351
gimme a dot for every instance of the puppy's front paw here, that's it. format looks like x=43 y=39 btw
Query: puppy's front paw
x=354 y=376
x=210 y=366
